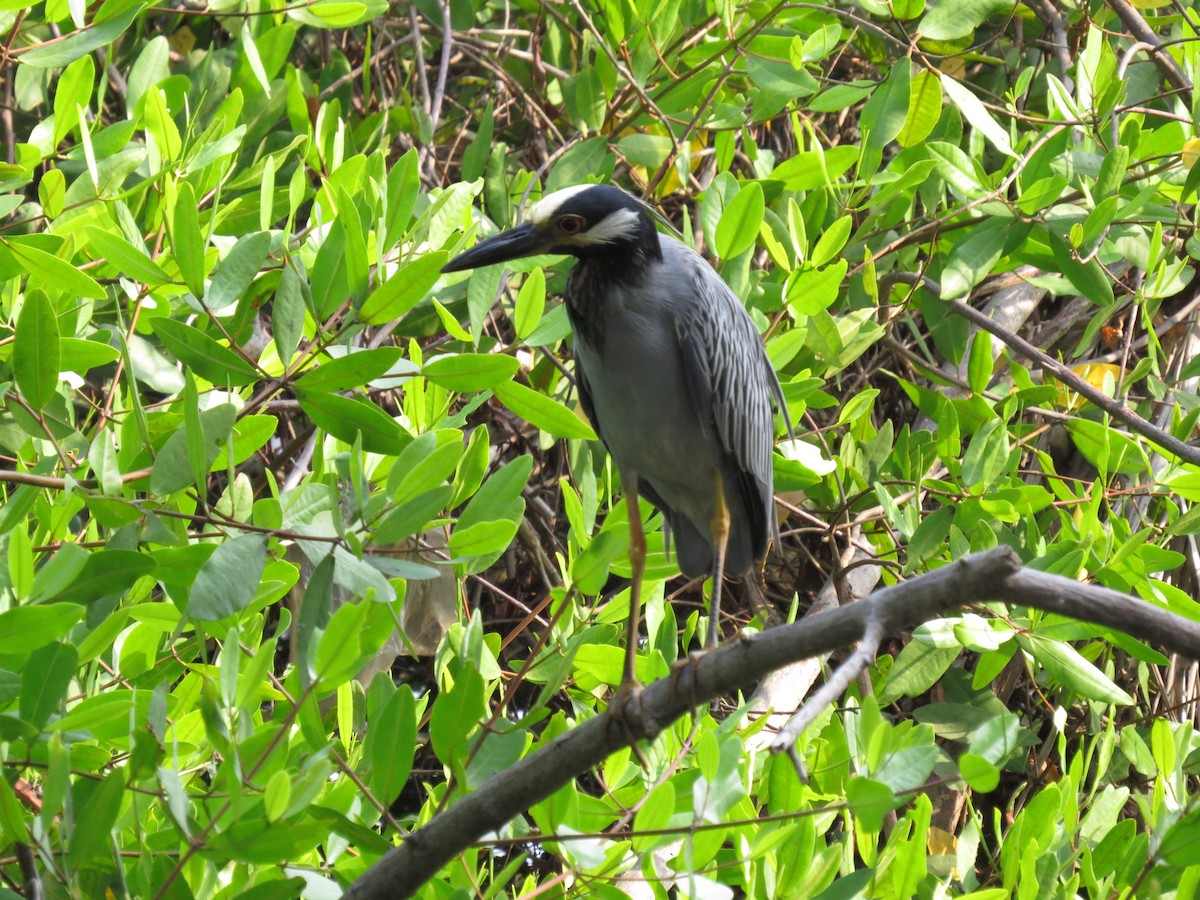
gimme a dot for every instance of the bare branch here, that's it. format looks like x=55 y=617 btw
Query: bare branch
x=996 y=575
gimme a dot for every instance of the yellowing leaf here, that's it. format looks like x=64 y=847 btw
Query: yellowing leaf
x=1190 y=152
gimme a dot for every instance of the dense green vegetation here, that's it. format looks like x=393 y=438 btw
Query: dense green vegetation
x=247 y=428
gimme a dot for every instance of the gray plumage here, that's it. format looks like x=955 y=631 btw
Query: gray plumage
x=671 y=372
x=679 y=388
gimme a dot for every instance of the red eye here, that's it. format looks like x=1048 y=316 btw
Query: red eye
x=570 y=224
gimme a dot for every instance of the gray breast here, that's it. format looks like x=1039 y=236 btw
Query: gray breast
x=627 y=347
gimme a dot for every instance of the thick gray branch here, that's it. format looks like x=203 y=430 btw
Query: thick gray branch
x=996 y=575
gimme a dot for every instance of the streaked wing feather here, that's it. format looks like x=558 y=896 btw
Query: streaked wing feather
x=733 y=385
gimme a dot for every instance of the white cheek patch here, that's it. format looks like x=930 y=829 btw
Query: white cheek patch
x=614 y=227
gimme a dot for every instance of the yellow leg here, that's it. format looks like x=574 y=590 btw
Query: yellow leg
x=637 y=562
x=720 y=536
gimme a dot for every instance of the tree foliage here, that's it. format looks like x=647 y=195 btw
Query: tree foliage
x=248 y=429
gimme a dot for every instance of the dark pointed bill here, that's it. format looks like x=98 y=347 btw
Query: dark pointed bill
x=512 y=244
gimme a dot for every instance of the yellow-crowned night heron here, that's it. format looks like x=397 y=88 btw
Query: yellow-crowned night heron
x=671 y=372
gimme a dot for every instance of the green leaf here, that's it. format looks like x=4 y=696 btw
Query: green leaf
x=1042 y=193
x=390 y=746
x=470 y=371
x=353 y=370
x=277 y=795
x=187 y=242
x=35 y=353
x=424 y=464
x=58 y=53
x=411 y=517
x=106 y=573
x=531 y=303
x=287 y=313
x=811 y=291
x=482 y=539
x=80 y=356
x=347 y=417
x=870 y=801
x=127 y=259
x=924 y=109
x=475 y=158
x=172 y=469
x=229 y=579
x=1088 y=278
x=1109 y=449
x=738 y=228
x=28 y=627
x=193 y=432
x=544 y=412
x=831 y=241
x=199 y=352
x=45 y=678
x=329 y=276
x=91 y=837
x=1068 y=667
x=58 y=572
x=54 y=272
x=159 y=124
x=980 y=774
x=655 y=815
x=950 y=21
x=500 y=496
x=406 y=287
x=973 y=258
x=885 y=114
x=73 y=92
x=916 y=670
x=974 y=112
x=52 y=192
x=980 y=363
x=455 y=714
x=235 y=272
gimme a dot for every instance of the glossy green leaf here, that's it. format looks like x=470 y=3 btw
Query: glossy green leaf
x=972 y=259
x=106 y=573
x=740 y=221
x=350 y=371
x=49 y=270
x=199 y=352
x=172 y=469
x=544 y=412
x=72 y=93
x=159 y=124
x=234 y=273
x=531 y=302
x=404 y=289
x=228 y=580
x=470 y=371
x=187 y=242
x=287 y=313
x=57 y=53
x=35 y=354
x=1064 y=663
x=455 y=714
x=950 y=21
x=90 y=838
x=924 y=109
x=347 y=417
x=44 y=681
x=128 y=260
x=870 y=801
x=26 y=628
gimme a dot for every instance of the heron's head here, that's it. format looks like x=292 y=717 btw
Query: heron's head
x=588 y=220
